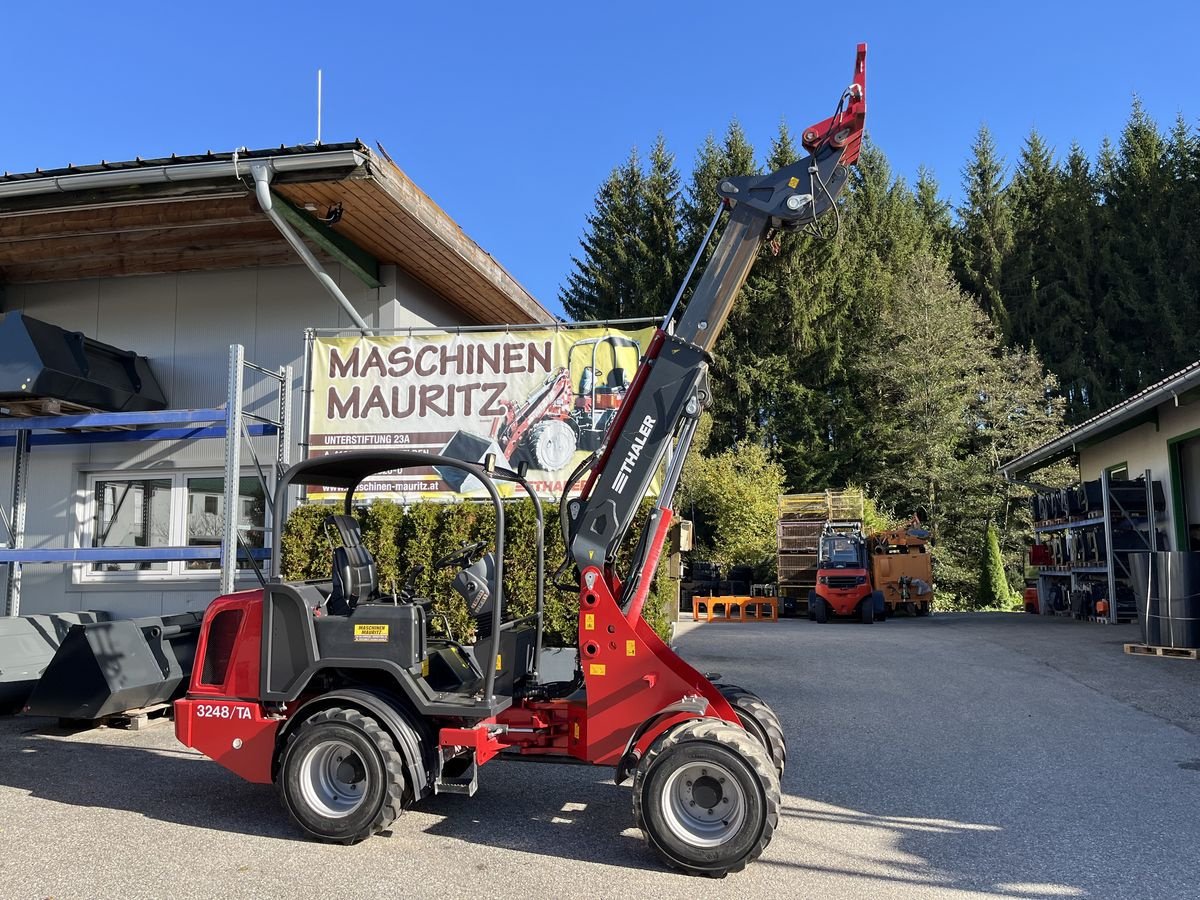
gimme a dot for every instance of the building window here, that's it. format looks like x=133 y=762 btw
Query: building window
x=207 y=493
x=131 y=513
x=1119 y=472
x=176 y=509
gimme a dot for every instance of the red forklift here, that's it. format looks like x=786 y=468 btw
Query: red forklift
x=844 y=585
x=342 y=694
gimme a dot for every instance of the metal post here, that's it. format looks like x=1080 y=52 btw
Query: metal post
x=284 y=446
x=1108 y=549
x=233 y=468
x=20 y=484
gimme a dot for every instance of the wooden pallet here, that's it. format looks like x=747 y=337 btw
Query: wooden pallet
x=43 y=406
x=130 y=720
x=1172 y=652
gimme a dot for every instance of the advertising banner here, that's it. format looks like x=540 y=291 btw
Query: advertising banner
x=542 y=396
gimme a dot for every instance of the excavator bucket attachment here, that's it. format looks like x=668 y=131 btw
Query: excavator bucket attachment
x=107 y=668
x=27 y=644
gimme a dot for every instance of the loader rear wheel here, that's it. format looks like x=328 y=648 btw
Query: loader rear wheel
x=706 y=797
x=759 y=720
x=341 y=776
x=552 y=444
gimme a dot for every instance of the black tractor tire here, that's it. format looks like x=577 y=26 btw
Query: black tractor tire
x=911 y=609
x=341 y=776
x=866 y=610
x=760 y=720
x=710 y=761
x=881 y=607
x=922 y=609
x=822 y=611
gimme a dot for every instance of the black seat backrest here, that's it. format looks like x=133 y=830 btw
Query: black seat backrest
x=354 y=575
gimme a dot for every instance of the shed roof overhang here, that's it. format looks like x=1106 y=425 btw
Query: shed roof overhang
x=1139 y=409
x=197 y=213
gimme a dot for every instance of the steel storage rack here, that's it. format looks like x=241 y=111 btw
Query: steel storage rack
x=1086 y=538
x=802 y=520
x=230 y=423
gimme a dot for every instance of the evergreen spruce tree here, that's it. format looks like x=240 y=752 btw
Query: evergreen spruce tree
x=1134 y=187
x=993 y=584
x=935 y=212
x=603 y=284
x=630 y=262
x=1031 y=265
x=985 y=228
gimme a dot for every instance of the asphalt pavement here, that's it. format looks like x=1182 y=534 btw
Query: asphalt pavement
x=955 y=756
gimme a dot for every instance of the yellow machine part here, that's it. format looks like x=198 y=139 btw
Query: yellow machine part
x=894 y=555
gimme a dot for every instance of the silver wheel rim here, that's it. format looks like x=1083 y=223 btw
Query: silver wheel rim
x=704 y=805
x=333 y=779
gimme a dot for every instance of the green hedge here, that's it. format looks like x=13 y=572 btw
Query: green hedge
x=400 y=538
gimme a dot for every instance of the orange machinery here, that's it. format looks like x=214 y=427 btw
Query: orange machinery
x=901 y=567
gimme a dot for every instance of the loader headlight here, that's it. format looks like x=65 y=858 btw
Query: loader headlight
x=860 y=579
x=824 y=579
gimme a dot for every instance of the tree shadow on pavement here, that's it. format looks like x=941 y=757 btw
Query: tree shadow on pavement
x=172 y=785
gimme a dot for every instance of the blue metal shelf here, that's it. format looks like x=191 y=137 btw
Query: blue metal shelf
x=61 y=555
x=146 y=434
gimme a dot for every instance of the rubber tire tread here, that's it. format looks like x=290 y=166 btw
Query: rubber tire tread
x=749 y=704
x=395 y=791
x=822 y=614
x=755 y=755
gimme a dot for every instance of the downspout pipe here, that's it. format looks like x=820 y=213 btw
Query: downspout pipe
x=262 y=190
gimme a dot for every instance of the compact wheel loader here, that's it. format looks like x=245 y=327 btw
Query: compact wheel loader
x=343 y=695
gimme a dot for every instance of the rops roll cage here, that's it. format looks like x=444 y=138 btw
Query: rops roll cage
x=347 y=471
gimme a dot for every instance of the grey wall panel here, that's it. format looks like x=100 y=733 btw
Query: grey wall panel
x=73 y=305
x=139 y=314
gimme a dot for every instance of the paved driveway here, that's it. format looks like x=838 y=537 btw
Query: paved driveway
x=958 y=756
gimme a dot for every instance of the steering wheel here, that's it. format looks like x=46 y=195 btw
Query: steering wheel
x=461 y=557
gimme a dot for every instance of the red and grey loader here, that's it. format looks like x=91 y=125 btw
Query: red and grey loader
x=343 y=695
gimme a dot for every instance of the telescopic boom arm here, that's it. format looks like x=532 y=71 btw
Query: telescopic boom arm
x=671 y=386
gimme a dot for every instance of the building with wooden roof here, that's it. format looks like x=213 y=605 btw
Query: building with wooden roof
x=175 y=260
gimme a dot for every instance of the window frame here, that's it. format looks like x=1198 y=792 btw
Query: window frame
x=176 y=572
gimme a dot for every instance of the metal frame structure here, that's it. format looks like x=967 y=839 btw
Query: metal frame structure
x=1116 y=564
x=230 y=423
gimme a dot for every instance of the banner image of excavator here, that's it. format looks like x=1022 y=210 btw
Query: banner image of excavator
x=572 y=409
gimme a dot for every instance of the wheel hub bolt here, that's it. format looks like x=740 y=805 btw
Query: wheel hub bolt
x=691 y=803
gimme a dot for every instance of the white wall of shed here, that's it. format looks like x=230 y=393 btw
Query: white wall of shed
x=1145 y=447
x=184 y=324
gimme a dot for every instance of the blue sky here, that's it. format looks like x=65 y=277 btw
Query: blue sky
x=510 y=115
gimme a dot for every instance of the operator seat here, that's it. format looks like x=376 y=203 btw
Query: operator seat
x=354 y=574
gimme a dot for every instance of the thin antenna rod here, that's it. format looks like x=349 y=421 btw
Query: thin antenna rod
x=318 y=106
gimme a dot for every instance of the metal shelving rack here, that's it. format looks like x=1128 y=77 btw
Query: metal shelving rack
x=230 y=423
x=1116 y=566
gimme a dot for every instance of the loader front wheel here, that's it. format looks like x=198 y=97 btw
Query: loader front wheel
x=707 y=798
x=759 y=720
x=341 y=776
x=822 y=611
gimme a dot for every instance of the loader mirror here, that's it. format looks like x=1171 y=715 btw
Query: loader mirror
x=522 y=467
x=489 y=463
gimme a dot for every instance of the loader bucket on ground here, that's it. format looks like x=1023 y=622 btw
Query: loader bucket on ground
x=27 y=644
x=107 y=668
